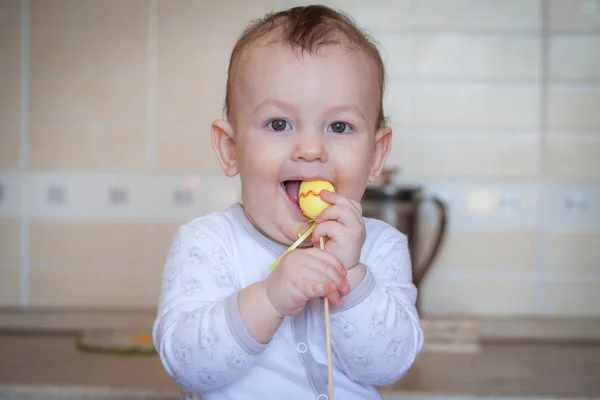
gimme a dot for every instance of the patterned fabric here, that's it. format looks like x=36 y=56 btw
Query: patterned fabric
x=206 y=348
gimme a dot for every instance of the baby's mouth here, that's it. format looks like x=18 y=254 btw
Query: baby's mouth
x=292 y=189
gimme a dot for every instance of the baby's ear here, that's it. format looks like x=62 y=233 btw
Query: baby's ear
x=223 y=141
x=383 y=142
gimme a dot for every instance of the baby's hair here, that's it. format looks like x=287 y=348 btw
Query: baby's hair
x=306 y=29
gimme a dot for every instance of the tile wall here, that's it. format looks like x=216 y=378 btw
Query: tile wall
x=105 y=109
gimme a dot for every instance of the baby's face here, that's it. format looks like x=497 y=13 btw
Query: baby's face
x=302 y=118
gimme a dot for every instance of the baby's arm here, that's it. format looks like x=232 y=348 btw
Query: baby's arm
x=377 y=336
x=200 y=333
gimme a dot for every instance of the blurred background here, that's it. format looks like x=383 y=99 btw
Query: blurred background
x=105 y=113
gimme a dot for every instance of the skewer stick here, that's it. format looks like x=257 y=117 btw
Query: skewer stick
x=327 y=336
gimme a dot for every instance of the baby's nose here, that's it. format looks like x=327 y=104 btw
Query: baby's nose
x=310 y=147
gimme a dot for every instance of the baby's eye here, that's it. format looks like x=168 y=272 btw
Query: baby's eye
x=279 y=125
x=339 y=127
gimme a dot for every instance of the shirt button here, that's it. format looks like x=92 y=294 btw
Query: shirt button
x=302 y=348
x=322 y=397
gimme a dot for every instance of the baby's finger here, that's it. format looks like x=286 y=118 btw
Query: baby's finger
x=336 y=300
x=344 y=215
x=324 y=261
x=334 y=296
x=319 y=289
x=333 y=230
x=336 y=199
x=329 y=290
x=325 y=273
x=328 y=196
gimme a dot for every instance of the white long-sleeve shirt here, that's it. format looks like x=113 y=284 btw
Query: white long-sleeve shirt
x=206 y=348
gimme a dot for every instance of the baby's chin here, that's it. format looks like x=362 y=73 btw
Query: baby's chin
x=288 y=236
x=282 y=232
x=270 y=230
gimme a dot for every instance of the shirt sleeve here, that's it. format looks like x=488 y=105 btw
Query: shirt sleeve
x=377 y=336
x=199 y=333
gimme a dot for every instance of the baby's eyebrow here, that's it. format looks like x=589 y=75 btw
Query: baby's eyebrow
x=276 y=103
x=348 y=108
x=290 y=108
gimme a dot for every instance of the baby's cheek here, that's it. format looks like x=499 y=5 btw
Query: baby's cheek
x=260 y=179
x=351 y=181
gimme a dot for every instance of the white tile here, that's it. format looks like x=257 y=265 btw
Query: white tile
x=476 y=56
x=209 y=193
x=190 y=94
x=95 y=287
x=437 y=14
x=397 y=104
x=83 y=196
x=575 y=57
x=481 y=206
x=87 y=101
x=479 y=296
x=572 y=156
x=12 y=73
x=11 y=201
x=576 y=15
x=573 y=298
x=478 y=14
x=479 y=106
x=396 y=52
x=10 y=263
x=465 y=155
x=87 y=196
x=571 y=206
x=573 y=252
x=574 y=107
x=374 y=15
x=487 y=250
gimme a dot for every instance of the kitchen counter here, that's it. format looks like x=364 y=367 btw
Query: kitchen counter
x=50 y=363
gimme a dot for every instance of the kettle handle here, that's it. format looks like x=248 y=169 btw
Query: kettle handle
x=420 y=272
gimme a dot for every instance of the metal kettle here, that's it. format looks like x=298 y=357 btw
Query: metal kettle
x=400 y=207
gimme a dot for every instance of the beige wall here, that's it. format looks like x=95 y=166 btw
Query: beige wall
x=105 y=109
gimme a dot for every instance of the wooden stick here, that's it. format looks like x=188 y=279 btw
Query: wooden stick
x=328 y=337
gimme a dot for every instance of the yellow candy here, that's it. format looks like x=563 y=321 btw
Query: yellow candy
x=309 y=197
x=311 y=204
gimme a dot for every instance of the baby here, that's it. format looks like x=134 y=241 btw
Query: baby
x=304 y=102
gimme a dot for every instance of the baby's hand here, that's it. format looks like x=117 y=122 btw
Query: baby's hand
x=343 y=225
x=304 y=274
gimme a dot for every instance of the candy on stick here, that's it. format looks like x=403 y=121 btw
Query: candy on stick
x=309 y=197
x=311 y=204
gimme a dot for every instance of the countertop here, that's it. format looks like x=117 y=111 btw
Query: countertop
x=50 y=363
